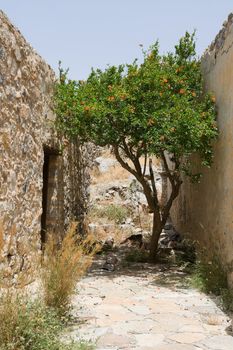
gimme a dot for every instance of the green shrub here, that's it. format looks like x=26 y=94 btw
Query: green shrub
x=112 y=212
x=188 y=252
x=210 y=277
x=27 y=325
x=30 y=325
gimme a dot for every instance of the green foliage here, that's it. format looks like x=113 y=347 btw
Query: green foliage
x=27 y=325
x=112 y=212
x=159 y=105
x=210 y=277
x=187 y=254
x=155 y=108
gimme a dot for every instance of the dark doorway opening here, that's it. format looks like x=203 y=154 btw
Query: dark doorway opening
x=52 y=218
x=45 y=197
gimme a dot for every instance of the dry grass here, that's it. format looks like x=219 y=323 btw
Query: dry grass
x=28 y=324
x=64 y=266
x=6 y=142
x=115 y=172
x=101 y=233
x=144 y=220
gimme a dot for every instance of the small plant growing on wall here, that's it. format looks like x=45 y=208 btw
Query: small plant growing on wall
x=156 y=108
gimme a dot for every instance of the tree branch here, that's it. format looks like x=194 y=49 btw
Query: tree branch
x=124 y=164
x=175 y=184
x=145 y=164
x=137 y=174
x=167 y=170
x=167 y=207
x=152 y=178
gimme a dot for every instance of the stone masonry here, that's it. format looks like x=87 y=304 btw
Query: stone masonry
x=205 y=210
x=43 y=180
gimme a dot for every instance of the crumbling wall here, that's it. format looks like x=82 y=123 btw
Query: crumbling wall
x=205 y=210
x=41 y=182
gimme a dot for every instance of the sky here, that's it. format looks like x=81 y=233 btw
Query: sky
x=94 y=33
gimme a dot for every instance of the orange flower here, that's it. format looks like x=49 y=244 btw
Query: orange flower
x=123 y=97
x=111 y=98
x=194 y=94
x=87 y=108
x=82 y=103
x=182 y=91
x=165 y=80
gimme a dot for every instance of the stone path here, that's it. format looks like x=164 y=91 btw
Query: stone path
x=132 y=310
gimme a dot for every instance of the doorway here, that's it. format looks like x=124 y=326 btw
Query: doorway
x=52 y=218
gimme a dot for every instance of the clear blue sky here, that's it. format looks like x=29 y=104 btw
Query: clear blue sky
x=94 y=33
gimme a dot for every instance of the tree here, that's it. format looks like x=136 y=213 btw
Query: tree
x=156 y=108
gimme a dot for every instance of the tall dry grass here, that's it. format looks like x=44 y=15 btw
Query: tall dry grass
x=27 y=324
x=63 y=267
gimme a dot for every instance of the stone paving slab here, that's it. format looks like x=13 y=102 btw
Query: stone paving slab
x=132 y=312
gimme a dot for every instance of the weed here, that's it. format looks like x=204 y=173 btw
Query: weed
x=210 y=277
x=226 y=299
x=63 y=266
x=82 y=345
x=114 y=173
x=112 y=212
x=29 y=325
x=186 y=255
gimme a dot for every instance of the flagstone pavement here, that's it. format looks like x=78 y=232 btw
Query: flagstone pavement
x=135 y=310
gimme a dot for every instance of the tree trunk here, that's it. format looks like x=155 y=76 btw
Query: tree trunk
x=156 y=231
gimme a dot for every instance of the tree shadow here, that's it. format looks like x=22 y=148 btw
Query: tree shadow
x=163 y=273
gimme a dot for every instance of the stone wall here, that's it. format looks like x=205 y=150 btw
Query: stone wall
x=205 y=210
x=41 y=187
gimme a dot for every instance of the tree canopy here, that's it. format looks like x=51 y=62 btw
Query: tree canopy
x=158 y=107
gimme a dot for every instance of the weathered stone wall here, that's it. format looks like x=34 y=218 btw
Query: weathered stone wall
x=205 y=210
x=34 y=175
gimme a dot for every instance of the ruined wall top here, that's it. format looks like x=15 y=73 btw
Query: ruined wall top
x=11 y=36
x=218 y=43
x=26 y=80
